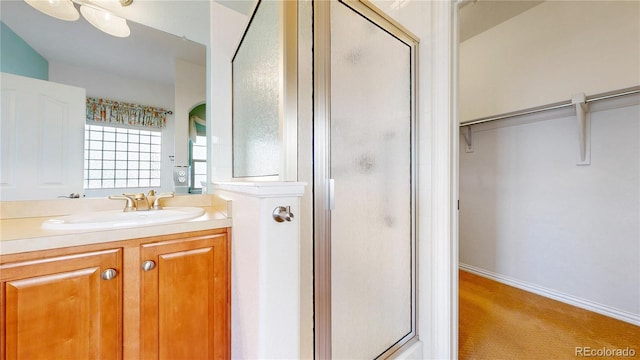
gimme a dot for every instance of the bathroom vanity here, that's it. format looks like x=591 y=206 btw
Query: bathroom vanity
x=148 y=292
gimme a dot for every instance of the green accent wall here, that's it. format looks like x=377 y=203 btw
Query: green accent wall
x=17 y=57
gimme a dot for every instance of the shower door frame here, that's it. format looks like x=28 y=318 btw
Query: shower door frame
x=323 y=185
x=288 y=94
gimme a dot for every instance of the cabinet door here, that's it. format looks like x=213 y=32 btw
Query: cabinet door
x=185 y=299
x=62 y=307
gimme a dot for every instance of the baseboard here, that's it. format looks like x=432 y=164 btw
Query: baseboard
x=556 y=295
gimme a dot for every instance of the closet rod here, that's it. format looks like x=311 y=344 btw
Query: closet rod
x=558 y=105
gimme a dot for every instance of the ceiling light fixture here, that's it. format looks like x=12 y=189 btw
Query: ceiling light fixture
x=97 y=16
x=59 y=9
x=105 y=21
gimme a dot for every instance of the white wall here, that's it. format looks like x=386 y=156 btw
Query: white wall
x=190 y=91
x=528 y=215
x=104 y=85
x=548 y=53
x=227 y=27
x=184 y=18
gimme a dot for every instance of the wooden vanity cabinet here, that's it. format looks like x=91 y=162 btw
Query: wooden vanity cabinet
x=65 y=307
x=185 y=297
x=164 y=297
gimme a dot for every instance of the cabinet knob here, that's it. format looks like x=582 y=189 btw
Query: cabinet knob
x=109 y=274
x=148 y=265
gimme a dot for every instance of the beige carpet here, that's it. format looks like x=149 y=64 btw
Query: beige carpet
x=501 y=322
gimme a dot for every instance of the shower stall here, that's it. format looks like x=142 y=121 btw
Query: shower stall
x=364 y=183
x=347 y=101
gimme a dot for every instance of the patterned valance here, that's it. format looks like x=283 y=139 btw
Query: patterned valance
x=116 y=112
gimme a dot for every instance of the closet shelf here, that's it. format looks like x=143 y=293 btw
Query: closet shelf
x=558 y=105
x=583 y=122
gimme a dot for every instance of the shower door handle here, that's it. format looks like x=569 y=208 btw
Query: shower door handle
x=332 y=196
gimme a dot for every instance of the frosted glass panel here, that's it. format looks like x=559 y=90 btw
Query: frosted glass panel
x=256 y=95
x=371 y=224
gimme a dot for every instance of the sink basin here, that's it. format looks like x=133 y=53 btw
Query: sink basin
x=114 y=219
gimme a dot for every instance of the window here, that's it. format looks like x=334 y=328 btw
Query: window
x=116 y=157
x=198 y=162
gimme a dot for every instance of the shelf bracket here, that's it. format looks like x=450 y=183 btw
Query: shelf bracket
x=583 y=123
x=466 y=132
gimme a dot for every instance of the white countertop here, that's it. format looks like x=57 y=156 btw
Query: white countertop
x=21 y=231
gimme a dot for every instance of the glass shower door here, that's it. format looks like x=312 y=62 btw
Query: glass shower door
x=264 y=94
x=371 y=164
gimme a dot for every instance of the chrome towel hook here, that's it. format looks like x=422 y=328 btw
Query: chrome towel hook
x=282 y=214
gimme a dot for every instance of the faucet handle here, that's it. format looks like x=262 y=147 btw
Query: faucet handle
x=156 y=202
x=130 y=201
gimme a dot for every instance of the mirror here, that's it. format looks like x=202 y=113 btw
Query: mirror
x=150 y=67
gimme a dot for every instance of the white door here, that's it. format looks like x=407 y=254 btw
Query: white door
x=41 y=138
